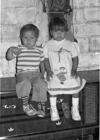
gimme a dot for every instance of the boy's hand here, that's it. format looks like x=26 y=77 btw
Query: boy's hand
x=49 y=75
x=74 y=73
x=16 y=50
x=12 y=52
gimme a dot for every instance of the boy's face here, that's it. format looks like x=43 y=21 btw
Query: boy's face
x=58 y=33
x=29 y=39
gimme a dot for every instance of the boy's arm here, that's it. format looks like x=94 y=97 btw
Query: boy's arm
x=48 y=68
x=10 y=54
x=75 y=62
x=42 y=68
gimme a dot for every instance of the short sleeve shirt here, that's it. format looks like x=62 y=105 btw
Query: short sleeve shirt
x=29 y=59
x=54 y=45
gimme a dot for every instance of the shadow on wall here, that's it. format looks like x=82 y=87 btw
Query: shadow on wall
x=61 y=9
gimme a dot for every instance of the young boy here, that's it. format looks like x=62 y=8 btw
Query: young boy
x=29 y=62
x=62 y=77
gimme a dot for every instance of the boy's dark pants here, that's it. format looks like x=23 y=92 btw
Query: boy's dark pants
x=27 y=81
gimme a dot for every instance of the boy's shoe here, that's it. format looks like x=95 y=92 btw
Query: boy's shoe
x=66 y=110
x=75 y=114
x=29 y=110
x=41 y=110
x=41 y=113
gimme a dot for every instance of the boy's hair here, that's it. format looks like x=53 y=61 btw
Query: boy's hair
x=58 y=22
x=29 y=27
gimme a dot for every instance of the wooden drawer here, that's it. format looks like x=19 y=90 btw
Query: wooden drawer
x=31 y=130
x=34 y=125
x=10 y=105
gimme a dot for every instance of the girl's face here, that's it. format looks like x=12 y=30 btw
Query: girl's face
x=29 y=39
x=58 y=33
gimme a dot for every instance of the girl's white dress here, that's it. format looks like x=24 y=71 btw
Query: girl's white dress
x=60 y=58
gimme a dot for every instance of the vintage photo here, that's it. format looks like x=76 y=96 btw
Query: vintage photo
x=49 y=69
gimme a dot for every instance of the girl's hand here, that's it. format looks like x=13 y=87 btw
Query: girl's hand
x=61 y=77
x=74 y=73
x=49 y=75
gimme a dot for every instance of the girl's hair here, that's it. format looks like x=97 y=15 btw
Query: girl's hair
x=29 y=27
x=58 y=22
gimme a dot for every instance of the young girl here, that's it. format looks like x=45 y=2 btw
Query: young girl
x=63 y=57
x=29 y=61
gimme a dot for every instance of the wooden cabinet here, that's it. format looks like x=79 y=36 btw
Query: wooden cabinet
x=15 y=125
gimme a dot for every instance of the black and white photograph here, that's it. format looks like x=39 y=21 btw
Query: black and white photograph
x=49 y=69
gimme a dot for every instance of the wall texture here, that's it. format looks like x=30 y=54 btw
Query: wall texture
x=86 y=28
x=15 y=14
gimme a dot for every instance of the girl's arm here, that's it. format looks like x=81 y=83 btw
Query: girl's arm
x=75 y=62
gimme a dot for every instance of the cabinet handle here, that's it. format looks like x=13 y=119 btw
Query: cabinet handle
x=10 y=129
x=9 y=106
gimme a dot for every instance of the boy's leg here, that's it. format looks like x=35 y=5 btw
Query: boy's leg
x=23 y=91
x=39 y=89
x=40 y=95
x=75 y=107
x=41 y=109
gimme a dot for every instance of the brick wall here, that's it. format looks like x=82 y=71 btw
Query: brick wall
x=86 y=28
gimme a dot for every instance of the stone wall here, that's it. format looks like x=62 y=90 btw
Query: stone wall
x=14 y=14
x=86 y=28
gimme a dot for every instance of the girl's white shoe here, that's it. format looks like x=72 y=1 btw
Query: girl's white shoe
x=54 y=114
x=75 y=113
x=75 y=109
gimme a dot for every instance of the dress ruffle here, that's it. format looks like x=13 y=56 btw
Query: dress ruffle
x=70 y=86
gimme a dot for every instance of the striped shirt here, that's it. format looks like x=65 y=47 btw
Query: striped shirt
x=29 y=59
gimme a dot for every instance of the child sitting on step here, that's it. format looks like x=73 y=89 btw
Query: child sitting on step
x=29 y=61
x=63 y=78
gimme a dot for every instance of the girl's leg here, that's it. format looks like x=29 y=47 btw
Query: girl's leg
x=54 y=111
x=75 y=95
x=75 y=107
